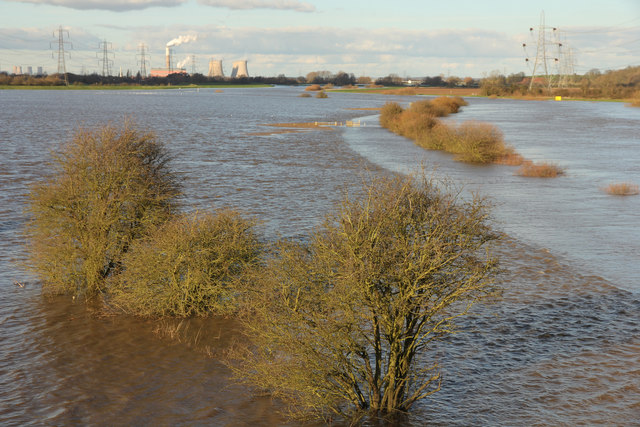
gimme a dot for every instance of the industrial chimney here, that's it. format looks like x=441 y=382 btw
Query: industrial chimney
x=239 y=69
x=168 y=59
x=215 y=68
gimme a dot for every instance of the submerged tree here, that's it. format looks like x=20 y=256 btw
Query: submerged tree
x=105 y=189
x=188 y=266
x=343 y=324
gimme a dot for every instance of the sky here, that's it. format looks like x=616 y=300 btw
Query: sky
x=409 y=38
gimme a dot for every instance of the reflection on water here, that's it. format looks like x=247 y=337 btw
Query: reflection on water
x=560 y=347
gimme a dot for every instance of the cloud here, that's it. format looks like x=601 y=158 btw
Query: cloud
x=294 y=5
x=112 y=5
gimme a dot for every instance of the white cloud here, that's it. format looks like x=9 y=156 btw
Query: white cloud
x=298 y=50
x=112 y=5
x=294 y=5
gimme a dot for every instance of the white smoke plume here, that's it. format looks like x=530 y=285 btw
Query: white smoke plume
x=182 y=39
x=184 y=62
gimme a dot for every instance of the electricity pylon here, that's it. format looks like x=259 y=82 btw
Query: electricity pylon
x=546 y=38
x=143 y=60
x=193 y=64
x=62 y=65
x=106 y=62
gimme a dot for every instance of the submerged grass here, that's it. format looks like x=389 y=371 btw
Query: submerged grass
x=622 y=189
x=540 y=170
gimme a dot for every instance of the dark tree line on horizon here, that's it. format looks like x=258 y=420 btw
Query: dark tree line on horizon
x=616 y=84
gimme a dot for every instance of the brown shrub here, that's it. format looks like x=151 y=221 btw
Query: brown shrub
x=438 y=138
x=414 y=124
x=450 y=105
x=510 y=158
x=477 y=142
x=313 y=88
x=622 y=189
x=540 y=170
x=390 y=116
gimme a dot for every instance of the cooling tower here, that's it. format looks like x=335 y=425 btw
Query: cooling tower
x=239 y=69
x=215 y=68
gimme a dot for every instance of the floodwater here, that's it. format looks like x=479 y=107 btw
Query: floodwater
x=560 y=347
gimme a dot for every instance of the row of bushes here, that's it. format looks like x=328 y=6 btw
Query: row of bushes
x=470 y=142
x=337 y=324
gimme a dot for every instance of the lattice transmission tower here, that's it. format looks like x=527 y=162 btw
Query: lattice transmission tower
x=546 y=59
x=107 y=63
x=566 y=60
x=193 y=64
x=143 y=59
x=62 y=65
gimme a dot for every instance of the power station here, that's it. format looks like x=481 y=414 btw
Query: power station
x=215 y=68
x=215 y=65
x=239 y=69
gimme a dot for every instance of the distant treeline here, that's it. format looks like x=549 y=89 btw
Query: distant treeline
x=619 y=84
x=172 y=79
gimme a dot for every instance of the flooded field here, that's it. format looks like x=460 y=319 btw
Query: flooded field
x=561 y=347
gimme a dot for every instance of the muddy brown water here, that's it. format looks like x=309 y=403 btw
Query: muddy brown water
x=560 y=347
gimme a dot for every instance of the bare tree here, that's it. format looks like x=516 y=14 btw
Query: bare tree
x=342 y=325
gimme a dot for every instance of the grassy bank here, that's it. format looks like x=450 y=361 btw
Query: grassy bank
x=403 y=90
x=132 y=87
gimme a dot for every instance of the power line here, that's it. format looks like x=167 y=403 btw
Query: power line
x=546 y=40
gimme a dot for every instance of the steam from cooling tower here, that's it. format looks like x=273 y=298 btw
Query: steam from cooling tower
x=182 y=63
x=181 y=40
x=177 y=42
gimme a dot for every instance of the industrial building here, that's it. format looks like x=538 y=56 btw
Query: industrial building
x=215 y=67
x=168 y=69
x=239 y=69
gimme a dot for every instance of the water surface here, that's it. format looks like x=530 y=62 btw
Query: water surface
x=561 y=347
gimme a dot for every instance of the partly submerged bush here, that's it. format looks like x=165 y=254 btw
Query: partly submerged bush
x=187 y=266
x=105 y=189
x=389 y=116
x=472 y=142
x=343 y=324
x=313 y=88
x=540 y=170
x=321 y=94
x=622 y=189
x=510 y=158
x=449 y=105
x=476 y=142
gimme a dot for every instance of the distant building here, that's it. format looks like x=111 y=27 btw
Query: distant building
x=164 y=72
